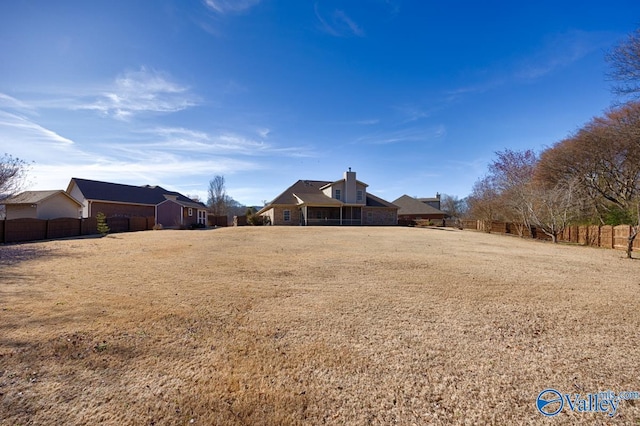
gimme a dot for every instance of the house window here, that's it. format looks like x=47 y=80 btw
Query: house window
x=190 y=211
x=338 y=194
x=359 y=196
x=369 y=217
x=286 y=215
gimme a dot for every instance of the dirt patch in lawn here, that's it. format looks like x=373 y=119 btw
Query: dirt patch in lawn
x=313 y=326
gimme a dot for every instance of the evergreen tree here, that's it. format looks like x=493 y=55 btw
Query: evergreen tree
x=102 y=224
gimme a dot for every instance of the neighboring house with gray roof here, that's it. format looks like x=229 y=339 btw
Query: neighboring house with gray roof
x=168 y=208
x=410 y=208
x=432 y=201
x=42 y=205
x=318 y=202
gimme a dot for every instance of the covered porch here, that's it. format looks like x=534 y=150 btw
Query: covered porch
x=330 y=215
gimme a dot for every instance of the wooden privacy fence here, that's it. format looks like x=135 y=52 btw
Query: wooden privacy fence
x=19 y=230
x=605 y=236
x=213 y=220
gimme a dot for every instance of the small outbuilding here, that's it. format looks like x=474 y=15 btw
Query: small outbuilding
x=42 y=205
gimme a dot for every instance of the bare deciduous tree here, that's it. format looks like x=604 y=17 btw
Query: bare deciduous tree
x=217 y=196
x=13 y=172
x=453 y=206
x=552 y=209
x=604 y=158
x=625 y=63
x=484 y=201
x=512 y=173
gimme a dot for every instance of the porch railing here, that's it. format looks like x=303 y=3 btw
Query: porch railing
x=334 y=222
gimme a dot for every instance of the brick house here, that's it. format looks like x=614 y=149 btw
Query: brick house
x=410 y=208
x=342 y=202
x=168 y=208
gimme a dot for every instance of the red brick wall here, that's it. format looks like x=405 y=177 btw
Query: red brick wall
x=124 y=210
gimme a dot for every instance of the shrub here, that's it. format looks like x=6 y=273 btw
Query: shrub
x=102 y=227
x=256 y=220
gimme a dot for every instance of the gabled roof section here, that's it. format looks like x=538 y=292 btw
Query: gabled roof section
x=190 y=204
x=328 y=184
x=319 y=199
x=410 y=205
x=37 y=197
x=429 y=200
x=121 y=193
x=300 y=188
x=373 y=201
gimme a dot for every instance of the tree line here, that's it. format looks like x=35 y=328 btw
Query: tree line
x=590 y=177
x=221 y=204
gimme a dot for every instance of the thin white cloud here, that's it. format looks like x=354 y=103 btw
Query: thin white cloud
x=342 y=19
x=362 y=122
x=393 y=6
x=338 y=24
x=178 y=139
x=151 y=169
x=28 y=130
x=181 y=139
x=555 y=53
x=369 y=122
x=139 y=92
x=10 y=102
x=180 y=132
x=411 y=134
x=558 y=52
x=230 y=6
x=412 y=113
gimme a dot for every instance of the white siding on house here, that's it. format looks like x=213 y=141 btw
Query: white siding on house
x=360 y=188
x=348 y=189
x=77 y=194
x=58 y=206
x=270 y=214
x=21 y=211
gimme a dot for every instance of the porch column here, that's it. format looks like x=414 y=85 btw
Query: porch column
x=306 y=215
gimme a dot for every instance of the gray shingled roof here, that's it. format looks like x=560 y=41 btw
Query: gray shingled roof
x=107 y=191
x=373 y=201
x=300 y=187
x=319 y=199
x=410 y=205
x=35 y=197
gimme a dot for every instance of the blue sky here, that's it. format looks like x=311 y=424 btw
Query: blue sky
x=415 y=96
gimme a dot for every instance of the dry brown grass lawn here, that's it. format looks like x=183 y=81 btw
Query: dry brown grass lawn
x=312 y=326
